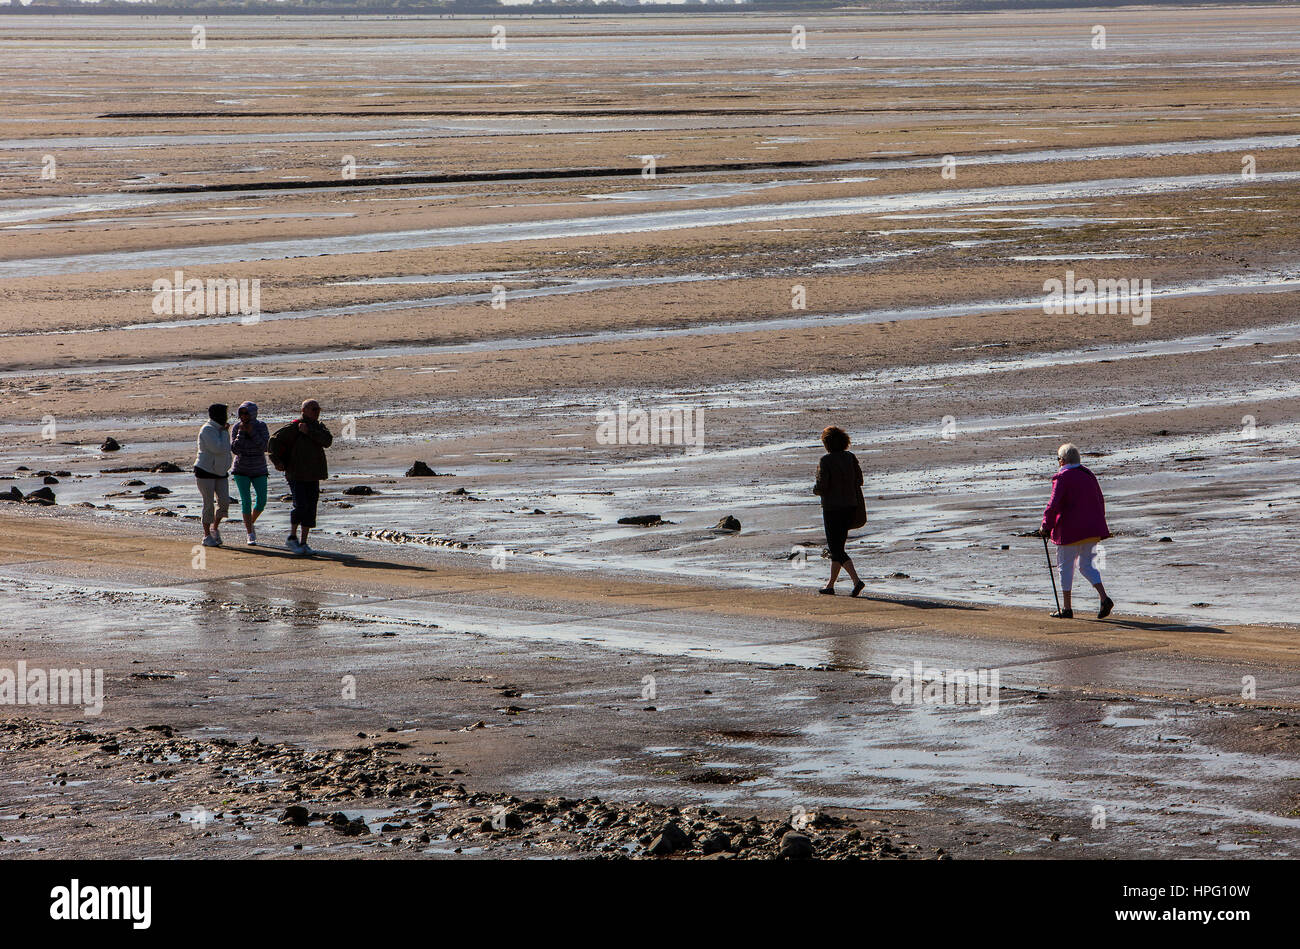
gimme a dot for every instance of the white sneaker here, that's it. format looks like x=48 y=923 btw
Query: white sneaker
x=209 y=541
x=305 y=551
x=252 y=538
x=293 y=543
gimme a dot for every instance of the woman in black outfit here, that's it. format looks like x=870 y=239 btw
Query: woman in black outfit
x=839 y=484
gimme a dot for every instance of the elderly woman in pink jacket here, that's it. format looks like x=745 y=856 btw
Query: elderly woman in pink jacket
x=1075 y=520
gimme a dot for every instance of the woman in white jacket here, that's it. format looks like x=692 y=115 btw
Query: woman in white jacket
x=211 y=471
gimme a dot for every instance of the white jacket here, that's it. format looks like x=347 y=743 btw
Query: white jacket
x=214 y=449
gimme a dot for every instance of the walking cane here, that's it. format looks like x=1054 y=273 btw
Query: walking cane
x=1050 y=572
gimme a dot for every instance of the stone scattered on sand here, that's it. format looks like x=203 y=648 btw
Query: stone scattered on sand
x=671 y=839
x=348 y=828
x=63 y=474
x=161 y=512
x=795 y=847
x=133 y=483
x=40 y=496
x=510 y=821
x=110 y=444
x=402 y=537
x=154 y=493
x=420 y=470
x=13 y=494
x=166 y=467
x=716 y=842
x=727 y=523
x=1166 y=540
x=643 y=520
x=296 y=816
x=425 y=807
x=360 y=490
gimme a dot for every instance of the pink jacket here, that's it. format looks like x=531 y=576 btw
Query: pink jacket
x=1076 y=510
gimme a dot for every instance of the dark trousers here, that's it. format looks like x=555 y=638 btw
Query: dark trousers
x=837 y=521
x=306 y=494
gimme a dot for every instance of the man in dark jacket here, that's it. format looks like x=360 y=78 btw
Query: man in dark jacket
x=299 y=448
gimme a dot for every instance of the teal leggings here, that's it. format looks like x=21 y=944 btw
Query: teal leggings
x=258 y=484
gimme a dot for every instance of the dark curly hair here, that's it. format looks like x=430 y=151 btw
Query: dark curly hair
x=835 y=438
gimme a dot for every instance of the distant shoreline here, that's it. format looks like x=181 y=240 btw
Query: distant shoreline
x=454 y=10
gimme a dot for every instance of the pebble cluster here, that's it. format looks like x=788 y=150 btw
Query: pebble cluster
x=325 y=791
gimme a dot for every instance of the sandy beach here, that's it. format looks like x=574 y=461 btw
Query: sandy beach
x=472 y=255
x=432 y=691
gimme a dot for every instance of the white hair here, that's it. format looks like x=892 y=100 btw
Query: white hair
x=1067 y=454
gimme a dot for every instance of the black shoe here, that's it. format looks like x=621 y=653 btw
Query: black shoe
x=858 y=588
x=829 y=591
x=1106 y=606
x=1062 y=614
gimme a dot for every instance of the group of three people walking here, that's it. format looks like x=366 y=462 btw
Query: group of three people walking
x=1075 y=517
x=297 y=449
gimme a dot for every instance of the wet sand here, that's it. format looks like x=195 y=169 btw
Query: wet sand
x=922 y=333
x=531 y=684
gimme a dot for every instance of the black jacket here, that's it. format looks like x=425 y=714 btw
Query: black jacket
x=303 y=456
x=839 y=479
